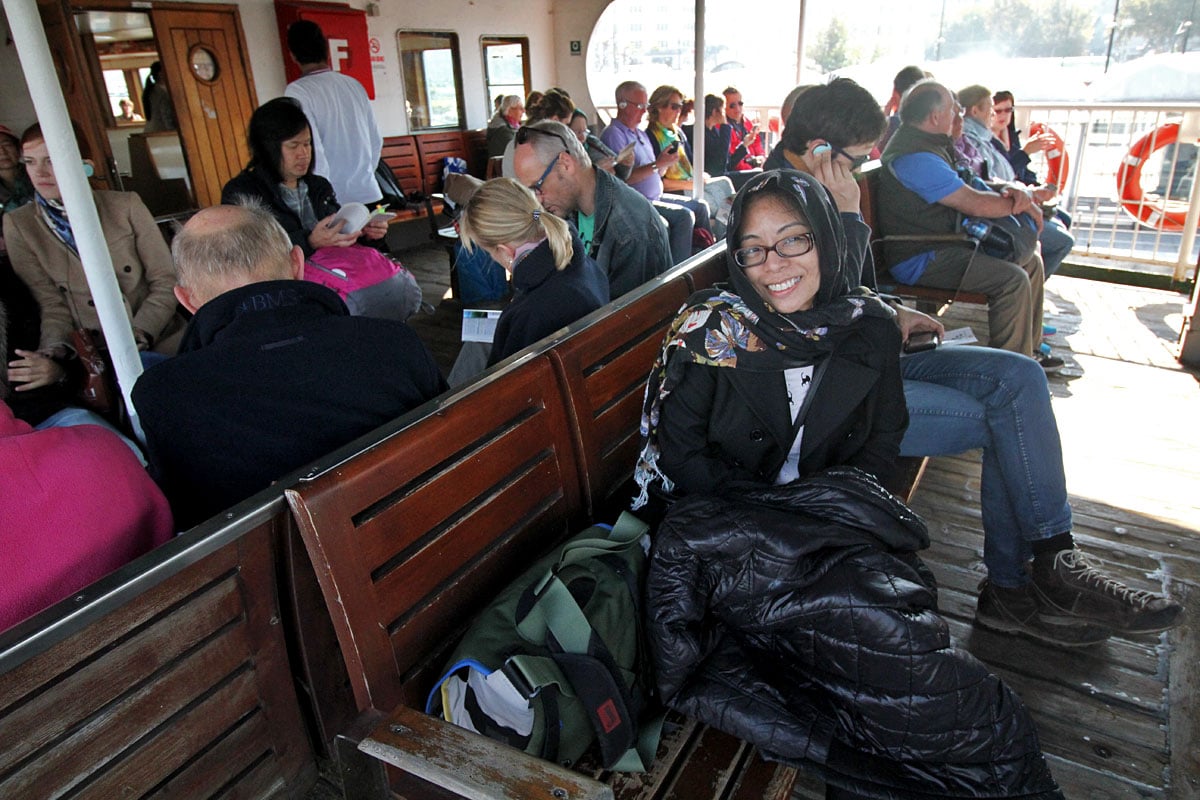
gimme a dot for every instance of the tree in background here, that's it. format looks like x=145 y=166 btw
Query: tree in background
x=1020 y=28
x=1155 y=25
x=831 y=50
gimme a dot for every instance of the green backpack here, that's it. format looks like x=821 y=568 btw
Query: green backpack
x=557 y=660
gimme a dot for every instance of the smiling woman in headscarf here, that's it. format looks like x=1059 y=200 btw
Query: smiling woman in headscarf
x=786 y=371
x=785 y=601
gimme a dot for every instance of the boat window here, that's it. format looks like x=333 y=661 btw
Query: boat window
x=505 y=67
x=430 y=66
x=123 y=45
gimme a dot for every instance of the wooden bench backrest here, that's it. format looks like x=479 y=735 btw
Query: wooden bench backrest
x=400 y=153
x=413 y=536
x=709 y=272
x=183 y=691
x=476 y=143
x=603 y=371
x=432 y=149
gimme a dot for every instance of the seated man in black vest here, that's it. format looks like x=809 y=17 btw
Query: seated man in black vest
x=272 y=373
x=920 y=194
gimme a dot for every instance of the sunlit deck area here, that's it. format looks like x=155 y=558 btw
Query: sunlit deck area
x=1118 y=720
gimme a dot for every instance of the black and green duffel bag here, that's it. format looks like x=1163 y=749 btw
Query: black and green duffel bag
x=557 y=660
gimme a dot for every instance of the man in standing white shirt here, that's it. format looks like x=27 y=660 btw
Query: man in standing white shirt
x=345 y=137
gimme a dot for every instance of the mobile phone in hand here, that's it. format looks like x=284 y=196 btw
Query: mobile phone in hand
x=673 y=147
x=922 y=341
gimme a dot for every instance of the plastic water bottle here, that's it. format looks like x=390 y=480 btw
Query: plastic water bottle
x=976 y=229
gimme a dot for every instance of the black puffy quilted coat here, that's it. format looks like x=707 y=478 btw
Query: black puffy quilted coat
x=800 y=619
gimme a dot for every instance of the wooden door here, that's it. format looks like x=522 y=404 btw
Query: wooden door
x=203 y=52
x=79 y=87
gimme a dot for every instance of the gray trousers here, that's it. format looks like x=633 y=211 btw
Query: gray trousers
x=1014 y=293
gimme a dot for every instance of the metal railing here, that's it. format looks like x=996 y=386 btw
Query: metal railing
x=1128 y=180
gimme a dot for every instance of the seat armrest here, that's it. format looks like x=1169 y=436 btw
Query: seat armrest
x=472 y=765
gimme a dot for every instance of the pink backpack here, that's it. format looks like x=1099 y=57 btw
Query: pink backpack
x=370 y=283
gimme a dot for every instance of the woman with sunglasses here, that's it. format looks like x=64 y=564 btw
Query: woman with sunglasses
x=786 y=602
x=666 y=106
x=554 y=281
x=1008 y=138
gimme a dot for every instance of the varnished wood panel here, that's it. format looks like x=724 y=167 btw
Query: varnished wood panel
x=146 y=695
x=213 y=116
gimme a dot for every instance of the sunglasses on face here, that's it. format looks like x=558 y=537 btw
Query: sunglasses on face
x=735 y=104
x=1005 y=110
x=790 y=247
x=856 y=162
x=638 y=106
x=673 y=106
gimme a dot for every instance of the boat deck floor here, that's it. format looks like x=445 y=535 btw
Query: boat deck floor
x=1118 y=720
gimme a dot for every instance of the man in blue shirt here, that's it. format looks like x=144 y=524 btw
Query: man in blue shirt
x=965 y=398
x=920 y=194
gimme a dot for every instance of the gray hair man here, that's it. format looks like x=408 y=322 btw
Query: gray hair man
x=272 y=372
x=921 y=194
x=619 y=227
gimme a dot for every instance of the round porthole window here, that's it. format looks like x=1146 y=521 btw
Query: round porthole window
x=203 y=64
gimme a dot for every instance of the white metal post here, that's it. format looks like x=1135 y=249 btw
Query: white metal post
x=1189 y=132
x=698 y=110
x=42 y=79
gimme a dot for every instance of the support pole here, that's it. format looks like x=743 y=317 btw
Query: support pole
x=800 y=20
x=698 y=111
x=42 y=79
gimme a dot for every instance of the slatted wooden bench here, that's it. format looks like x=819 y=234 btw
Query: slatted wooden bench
x=417 y=161
x=415 y=535
x=168 y=678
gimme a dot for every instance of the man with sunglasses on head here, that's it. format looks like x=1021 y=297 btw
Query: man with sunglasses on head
x=744 y=132
x=619 y=228
x=963 y=398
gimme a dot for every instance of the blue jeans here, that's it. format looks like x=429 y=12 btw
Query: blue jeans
x=961 y=398
x=72 y=415
x=1057 y=242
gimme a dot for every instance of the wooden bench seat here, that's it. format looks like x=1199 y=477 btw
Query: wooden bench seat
x=182 y=690
x=206 y=666
x=413 y=536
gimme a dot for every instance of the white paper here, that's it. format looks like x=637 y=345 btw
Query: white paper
x=959 y=336
x=479 y=324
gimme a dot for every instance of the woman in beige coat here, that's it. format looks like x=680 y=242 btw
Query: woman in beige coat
x=42 y=249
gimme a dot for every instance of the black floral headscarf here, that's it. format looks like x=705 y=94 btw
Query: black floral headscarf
x=738 y=329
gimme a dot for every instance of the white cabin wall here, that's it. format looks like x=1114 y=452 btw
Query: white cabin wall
x=575 y=20
x=470 y=19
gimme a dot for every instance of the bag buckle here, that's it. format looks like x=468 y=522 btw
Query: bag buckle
x=517 y=678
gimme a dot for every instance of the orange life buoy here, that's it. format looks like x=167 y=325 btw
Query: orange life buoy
x=1164 y=214
x=1056 y=155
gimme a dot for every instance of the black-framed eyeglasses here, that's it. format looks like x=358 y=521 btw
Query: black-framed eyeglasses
x=638 y=106
x=536 y=187
x=790 y=247
x=856 y=162
x=523 y=135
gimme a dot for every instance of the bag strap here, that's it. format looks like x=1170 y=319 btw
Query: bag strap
x=556 y=613
x=628 y=531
